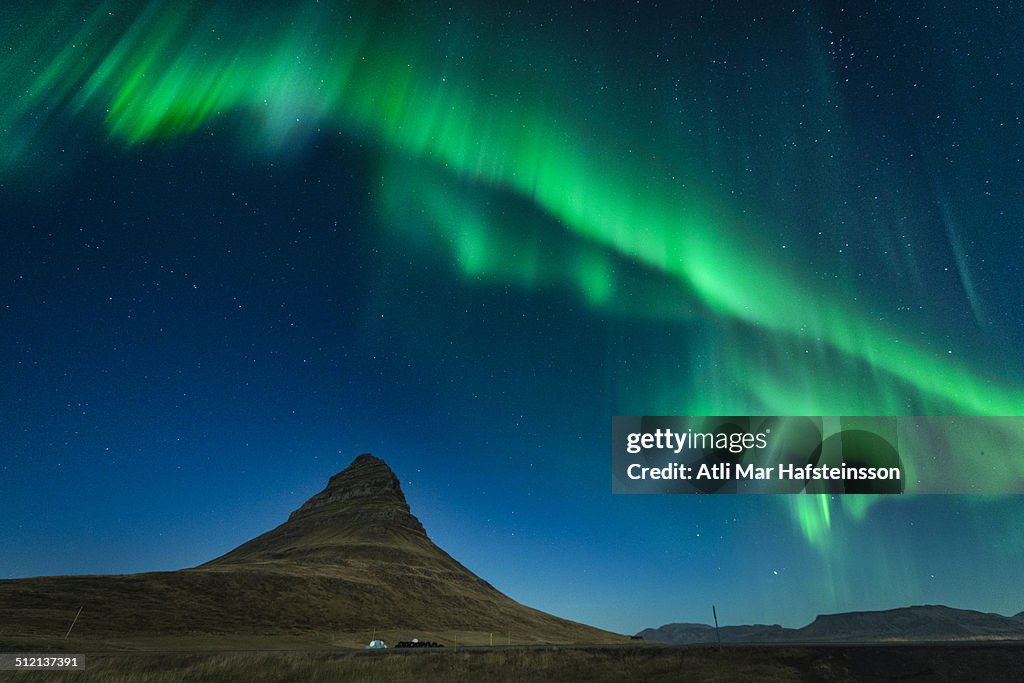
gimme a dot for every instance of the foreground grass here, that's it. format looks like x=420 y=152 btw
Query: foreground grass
x=624 y=663
x=546 y=664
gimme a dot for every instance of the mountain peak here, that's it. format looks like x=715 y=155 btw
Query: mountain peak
x=368 y=477
x=362 y=507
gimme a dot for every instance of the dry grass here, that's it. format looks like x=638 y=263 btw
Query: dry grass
x=514 y=664
x=312 y=607
x=566 y=663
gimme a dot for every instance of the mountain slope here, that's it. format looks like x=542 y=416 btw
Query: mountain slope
x=351 y=559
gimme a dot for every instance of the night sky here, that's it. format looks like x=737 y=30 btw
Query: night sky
x=240 y=246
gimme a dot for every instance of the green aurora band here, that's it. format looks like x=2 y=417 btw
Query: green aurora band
x=469 y=119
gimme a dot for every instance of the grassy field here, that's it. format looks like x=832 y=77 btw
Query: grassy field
x=564 y=663
x=308 y=641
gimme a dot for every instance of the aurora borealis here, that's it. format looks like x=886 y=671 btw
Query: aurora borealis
x=497 y=229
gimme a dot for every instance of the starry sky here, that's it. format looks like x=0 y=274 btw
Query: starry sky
x=240 y=246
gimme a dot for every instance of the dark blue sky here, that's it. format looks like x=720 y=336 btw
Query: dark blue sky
x=201 y=323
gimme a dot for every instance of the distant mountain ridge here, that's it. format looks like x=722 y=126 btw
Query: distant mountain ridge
x=688 y=634
x=910 y=624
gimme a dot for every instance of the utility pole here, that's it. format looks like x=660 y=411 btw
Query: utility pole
x=717 y=634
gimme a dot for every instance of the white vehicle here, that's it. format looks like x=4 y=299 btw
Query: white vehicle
x=377 y=645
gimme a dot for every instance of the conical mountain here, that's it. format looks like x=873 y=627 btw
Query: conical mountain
x=350 y=560
x=361 y=515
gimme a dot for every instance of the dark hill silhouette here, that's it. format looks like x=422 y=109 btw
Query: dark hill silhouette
x=923 y=622
x=690 y=634
x=352 y=558
x=906 y=624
